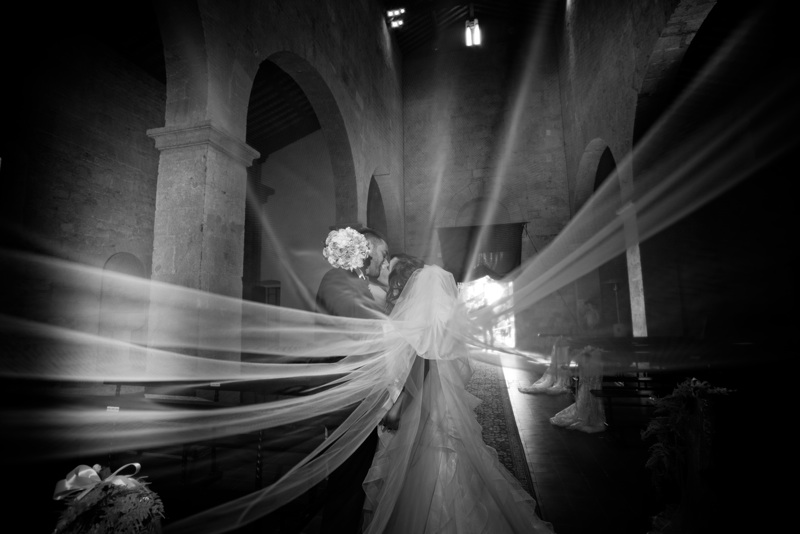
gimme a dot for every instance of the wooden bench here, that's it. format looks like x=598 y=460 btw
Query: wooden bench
x=628 y=397
x=283 y=446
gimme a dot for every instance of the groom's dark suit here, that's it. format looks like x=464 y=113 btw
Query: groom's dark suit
x=344 y=294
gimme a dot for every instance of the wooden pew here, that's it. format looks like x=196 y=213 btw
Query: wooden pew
x=295 y=442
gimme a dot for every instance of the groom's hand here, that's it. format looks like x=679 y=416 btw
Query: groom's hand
x=391 y=421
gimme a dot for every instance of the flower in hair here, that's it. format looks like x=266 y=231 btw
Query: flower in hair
x=346 y=249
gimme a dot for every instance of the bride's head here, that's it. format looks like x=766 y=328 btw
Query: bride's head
x=401 y=267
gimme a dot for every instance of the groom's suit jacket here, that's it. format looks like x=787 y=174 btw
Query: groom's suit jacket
x=344 y=294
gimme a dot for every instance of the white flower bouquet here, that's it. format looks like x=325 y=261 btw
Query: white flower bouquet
x=346 y=249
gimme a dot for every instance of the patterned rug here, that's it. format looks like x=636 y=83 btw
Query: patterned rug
x=497 y=419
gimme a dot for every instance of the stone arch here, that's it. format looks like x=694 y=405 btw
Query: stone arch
x=376 y=212
x=606 y=167
x=123 y=305
x=587 y=170
x=392 y=205
x=657 y=89
x=125 y=263
x=186 y=62
x=665 y=60
x=333 y=127
x=606 y=287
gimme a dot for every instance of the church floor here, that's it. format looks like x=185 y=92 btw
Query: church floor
x=584 y=483
x=598 y=483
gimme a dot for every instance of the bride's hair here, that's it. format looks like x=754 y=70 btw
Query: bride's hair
x=405 y=266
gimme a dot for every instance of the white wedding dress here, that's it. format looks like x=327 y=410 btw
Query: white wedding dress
x=435 y=474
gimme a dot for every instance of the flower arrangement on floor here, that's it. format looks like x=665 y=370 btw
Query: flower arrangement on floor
x=99 y=501
x=346 y=249
x=682 y=426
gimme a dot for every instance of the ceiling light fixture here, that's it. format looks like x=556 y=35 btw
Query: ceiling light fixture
x=473 y=33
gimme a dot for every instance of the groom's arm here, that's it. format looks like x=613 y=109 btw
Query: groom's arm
x=342 y=295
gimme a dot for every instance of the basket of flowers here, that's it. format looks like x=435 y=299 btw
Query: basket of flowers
x=99 y=501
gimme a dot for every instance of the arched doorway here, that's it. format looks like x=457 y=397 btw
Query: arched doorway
x=123 y=303
x=376 y=213
x=602 y=296
x=301 y=186
x=614 y=303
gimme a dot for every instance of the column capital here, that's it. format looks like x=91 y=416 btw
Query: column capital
x=203 y=133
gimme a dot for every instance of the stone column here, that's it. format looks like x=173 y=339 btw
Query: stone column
x=199 y=232
x=635 y=280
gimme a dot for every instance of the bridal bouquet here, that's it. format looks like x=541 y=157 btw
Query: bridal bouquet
x=346 y=249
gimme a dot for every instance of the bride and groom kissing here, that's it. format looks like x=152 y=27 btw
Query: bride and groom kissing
x=425 y=468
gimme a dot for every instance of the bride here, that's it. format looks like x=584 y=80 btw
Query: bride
x=432 y=471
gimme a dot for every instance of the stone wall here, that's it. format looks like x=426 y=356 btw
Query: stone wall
x=339 y=54
x=343 y=57
x=604 y=49
x=91 y=170
x=301 y=176
x=82 y=171
x=483 y=125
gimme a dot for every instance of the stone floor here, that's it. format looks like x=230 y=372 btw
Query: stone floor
x=584 y=483
x=598 y=483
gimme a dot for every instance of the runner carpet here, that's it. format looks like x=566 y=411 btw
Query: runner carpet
x=496 y=417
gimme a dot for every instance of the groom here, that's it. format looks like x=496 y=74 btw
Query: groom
x=344 y=293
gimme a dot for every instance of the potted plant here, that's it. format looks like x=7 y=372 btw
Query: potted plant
x=682 y=427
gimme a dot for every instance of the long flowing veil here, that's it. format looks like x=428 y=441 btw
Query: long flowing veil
x=329 y=376
x=314 y=371
x=457 y=480
x=290 y=359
